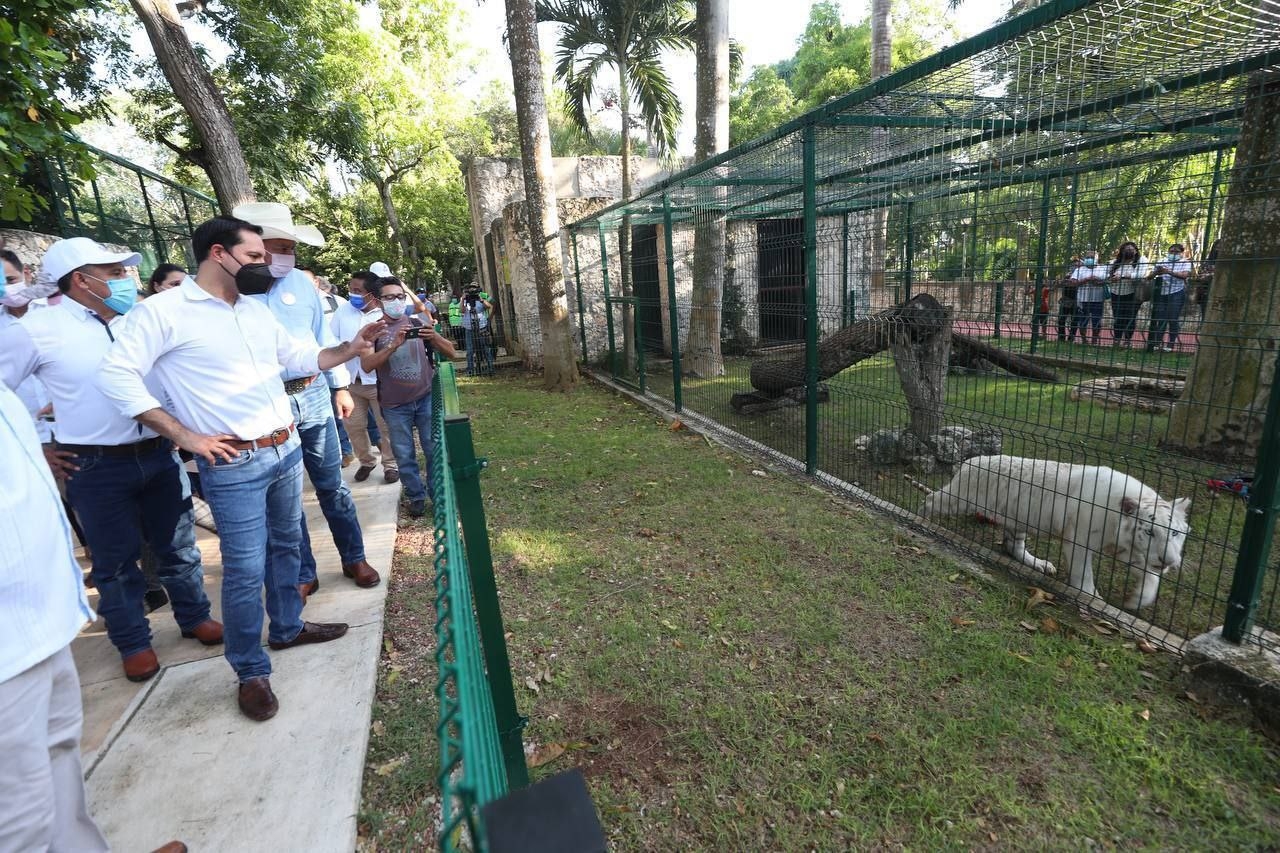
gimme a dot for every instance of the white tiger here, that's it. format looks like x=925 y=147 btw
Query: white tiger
x=1091 y=509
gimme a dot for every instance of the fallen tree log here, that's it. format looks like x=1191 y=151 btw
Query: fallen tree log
x=918 y=318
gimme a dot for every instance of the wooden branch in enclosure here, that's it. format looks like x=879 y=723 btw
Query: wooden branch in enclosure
x=918 y=318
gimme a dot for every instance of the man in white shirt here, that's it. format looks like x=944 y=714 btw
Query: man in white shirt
x=294 y=301
x=124 y=482
x=41 y=611
x=1172 y=273
x=348 y=319
x=17 y=297
x=219 y=357
x=1091 y=282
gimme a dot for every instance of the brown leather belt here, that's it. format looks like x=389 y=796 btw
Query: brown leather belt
x=275 y=438
x=297 y=386
x=137 y=448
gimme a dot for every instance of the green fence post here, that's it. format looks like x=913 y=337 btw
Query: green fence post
x=1213 y=203
x=608 y=303
x=844 y=270
x=465 y=469
x=577 y=280
x=810 y=299
x=908 y=245
x=102 y=215
x=1259 y=525
x=161 y=254
x=71 y=197
x=672 y=308
x=55 y=201
x=1042 y=259
x=638 y=336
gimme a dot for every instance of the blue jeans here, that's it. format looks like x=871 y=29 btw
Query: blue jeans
x=401 y=421
x=1166 y=313
x=313 y=415
x=1088 y=315
x=343 y=440
x=477 y=338
x=122 y=501
x=256 y=499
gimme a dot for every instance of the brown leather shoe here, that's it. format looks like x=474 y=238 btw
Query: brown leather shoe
x=363 y=472
x=313 y=632
x=257 y=702
x=172 y=847
x=362 y=573
x=208 y=632
x=306 y=590
x=391 y=475
x=140 y=666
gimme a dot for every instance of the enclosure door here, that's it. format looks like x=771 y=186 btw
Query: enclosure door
x=645 y=286
x=780 y=254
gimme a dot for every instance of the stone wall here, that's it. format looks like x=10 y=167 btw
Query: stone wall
x=30 y=247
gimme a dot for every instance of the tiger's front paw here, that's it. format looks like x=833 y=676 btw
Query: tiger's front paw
x=1048 y=568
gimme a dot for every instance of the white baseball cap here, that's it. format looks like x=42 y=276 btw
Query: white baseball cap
x=276 y=222
x=380 y=269
x=69 y=255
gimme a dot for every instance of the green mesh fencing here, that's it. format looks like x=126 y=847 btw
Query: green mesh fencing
x=472 y=772
x=124 y=204
x=761 y=288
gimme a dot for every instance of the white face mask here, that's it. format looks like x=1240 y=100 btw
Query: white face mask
x=394 y=308
x=282 y=265
x=16 y=295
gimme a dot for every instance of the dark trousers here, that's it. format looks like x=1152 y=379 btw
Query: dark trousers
x=1125 y=311
x=1067 y=314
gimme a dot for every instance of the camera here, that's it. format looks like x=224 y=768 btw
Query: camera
x=414 y=332
x=471 y=295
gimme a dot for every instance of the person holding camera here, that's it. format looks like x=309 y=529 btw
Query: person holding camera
x=402 y=358
x=475 y=324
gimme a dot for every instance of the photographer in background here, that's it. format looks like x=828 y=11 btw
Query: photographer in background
x=475 y=324
x=402 y=359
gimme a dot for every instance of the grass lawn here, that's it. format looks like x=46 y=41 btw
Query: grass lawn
x=1035 y=419
x=741 y=662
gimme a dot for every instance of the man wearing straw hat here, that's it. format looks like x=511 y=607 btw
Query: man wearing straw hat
x=296 y=304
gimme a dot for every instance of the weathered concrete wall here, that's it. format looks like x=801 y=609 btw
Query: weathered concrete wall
x=682 y=255
x=30 y=247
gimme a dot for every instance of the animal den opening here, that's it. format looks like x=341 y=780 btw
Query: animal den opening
x=1142 y=393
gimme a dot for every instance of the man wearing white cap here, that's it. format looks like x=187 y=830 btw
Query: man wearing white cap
x=124 y=481
x=296 y=304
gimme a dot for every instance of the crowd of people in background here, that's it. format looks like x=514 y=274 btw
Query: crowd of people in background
x=1127 y=281
x=127 y=408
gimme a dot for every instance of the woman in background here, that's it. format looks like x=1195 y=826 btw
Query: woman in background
x=165 y=277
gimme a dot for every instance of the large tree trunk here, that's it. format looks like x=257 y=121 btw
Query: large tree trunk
x=921 y=345
x=1224 y=404
x=702 y=349
x=407 y=251
x=559 y=367
x=624 y=232
x=881 y=61
x=865 y=338
x=218 y=150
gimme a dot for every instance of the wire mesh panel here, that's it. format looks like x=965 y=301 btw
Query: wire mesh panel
x=472 y=772
x=1037 y=270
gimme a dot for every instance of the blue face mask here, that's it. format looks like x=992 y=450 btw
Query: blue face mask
x=124 y=294
x=357 y=301
x=1174 y=256
x=1088 y=262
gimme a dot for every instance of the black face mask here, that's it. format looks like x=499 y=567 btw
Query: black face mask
x=254 y=279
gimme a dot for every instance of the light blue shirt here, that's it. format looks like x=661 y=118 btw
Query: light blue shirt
x=42 y=600
x=296 y=304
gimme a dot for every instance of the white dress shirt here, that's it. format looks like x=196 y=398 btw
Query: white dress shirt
x=1124 y=285
x=295 y=302
x=63 y=347
x=347 y=321
x=1091 y=279
x=31 y=390
x=42 y=600
x=220 y=364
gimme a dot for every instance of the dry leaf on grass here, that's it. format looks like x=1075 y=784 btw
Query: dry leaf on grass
x=1144 y=714
x=1145 y=647
x=389 y=767
x=758 y=473
x=677 y=425
x=1030 y=626
x=532 y=684
x=1038 y=596
x=960 y=623
x=1103 y=629
x=379 y=728
x=545 y=754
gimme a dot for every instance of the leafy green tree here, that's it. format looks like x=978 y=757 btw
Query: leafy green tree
x=627 y=37
x=45 y=51
x=762 y=102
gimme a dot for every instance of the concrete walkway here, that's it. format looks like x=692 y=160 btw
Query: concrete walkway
x=174 y=758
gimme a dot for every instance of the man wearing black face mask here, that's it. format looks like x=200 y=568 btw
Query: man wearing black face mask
x=219 y=357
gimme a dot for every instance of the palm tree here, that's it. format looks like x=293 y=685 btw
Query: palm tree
x=627 y=37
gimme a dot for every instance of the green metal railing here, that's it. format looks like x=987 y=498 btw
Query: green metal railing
x=974 y=176
x=124 y=203
x=481 y=749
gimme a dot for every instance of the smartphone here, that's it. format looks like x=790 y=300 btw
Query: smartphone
x=413 y=332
